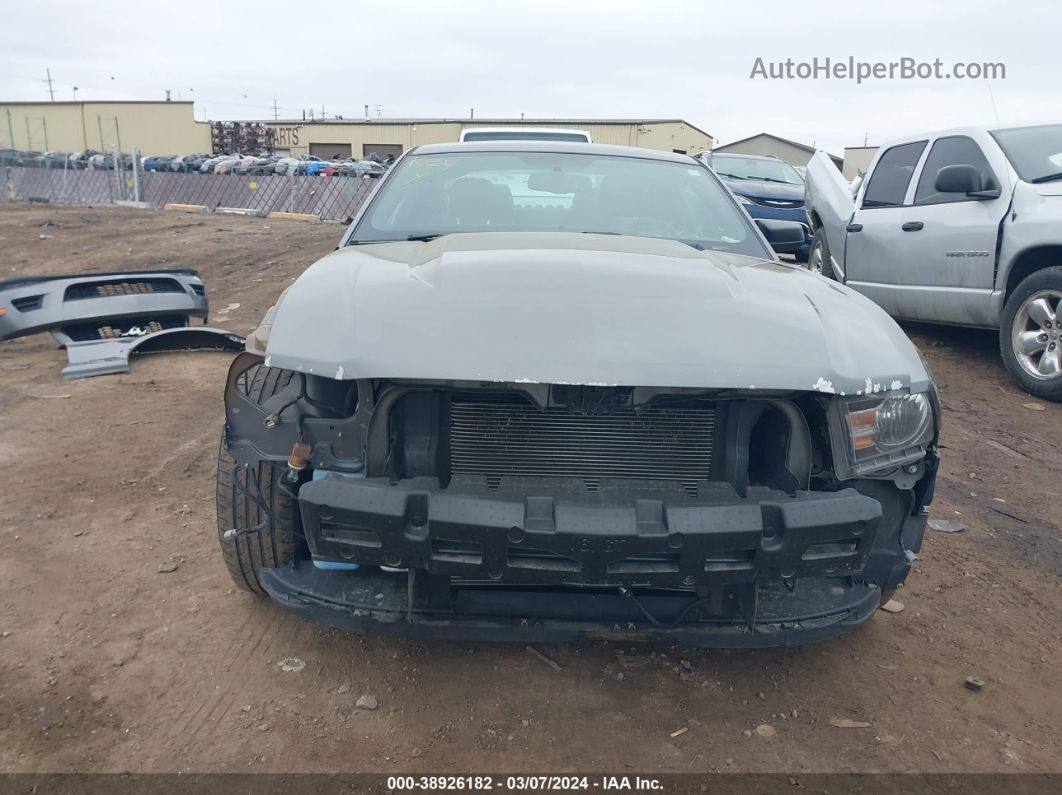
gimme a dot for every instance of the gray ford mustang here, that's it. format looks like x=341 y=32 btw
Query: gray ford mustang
x=549 y=391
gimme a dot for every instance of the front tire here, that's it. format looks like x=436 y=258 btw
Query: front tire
x=1030 y=335
x=257 y=509
x=819 y=257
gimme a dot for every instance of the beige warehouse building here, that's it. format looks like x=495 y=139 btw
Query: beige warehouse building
x=154 y=127
x=792 y=152
x=857 y=160
x=170 y=128
x=393 y=136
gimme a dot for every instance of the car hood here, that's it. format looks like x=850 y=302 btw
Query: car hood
x=758 y=189
x=582 y=309
x=1048 y=188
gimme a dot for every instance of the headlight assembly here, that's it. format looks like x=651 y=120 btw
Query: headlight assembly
x=878 y=433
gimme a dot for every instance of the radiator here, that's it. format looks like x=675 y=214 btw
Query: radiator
x=499 y=439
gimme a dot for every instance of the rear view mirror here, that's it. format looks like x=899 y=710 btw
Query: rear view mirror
x=559 y=182
x=784 y=236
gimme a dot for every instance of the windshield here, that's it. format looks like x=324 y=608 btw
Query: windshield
x=435 y=194
x=767 y=169
x=1035 y=152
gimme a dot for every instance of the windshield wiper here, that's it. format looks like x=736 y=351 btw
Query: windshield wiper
x=690 y=243
x=1047 y=178
x=418 y=238
x=732 y=176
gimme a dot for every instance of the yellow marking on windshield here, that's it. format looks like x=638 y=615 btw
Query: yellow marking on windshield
x=422 y=167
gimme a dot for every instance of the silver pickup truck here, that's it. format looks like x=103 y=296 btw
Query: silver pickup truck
x=962 y=227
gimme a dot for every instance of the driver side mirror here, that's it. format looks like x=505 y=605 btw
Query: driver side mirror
x=784 y=236
x=963 y=178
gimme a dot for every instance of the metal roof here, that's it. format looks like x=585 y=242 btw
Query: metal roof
x=789 y=141
x=103 y=102
x=484 y=121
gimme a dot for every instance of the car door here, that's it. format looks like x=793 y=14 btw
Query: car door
x=877 y=232
x=948 y=269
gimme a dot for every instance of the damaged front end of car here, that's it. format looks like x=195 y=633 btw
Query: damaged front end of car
x=504 y=510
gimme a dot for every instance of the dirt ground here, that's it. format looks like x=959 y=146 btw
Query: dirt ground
x=108 y=664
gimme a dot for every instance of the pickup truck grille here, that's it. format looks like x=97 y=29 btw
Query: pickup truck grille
x=782 y=204
x=498 y=439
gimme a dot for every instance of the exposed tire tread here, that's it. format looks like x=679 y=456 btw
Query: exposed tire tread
x=256 y=495
x=820 y=240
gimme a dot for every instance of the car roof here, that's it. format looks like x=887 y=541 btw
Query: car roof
x=970 y=130
x=559 y=147
x=744 y=156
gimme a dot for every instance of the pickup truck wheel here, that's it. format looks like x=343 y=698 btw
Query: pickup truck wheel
x=819 y=256
x=1031 y=334
x=258 y=513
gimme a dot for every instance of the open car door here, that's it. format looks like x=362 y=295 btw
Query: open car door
x=828 y=198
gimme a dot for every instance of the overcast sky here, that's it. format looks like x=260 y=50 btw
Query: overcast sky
x=576 y=58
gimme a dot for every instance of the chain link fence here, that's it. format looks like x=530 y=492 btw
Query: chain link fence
x=329 y=197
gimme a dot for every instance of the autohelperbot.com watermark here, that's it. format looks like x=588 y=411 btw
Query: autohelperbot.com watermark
x=849 y=68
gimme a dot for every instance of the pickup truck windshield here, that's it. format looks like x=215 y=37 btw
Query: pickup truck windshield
x=437 y=194
x=1035 y=152
x=766 y=169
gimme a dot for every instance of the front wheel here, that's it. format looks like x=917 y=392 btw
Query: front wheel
x=258 y=511
x=819 y=257
x=1030 y=336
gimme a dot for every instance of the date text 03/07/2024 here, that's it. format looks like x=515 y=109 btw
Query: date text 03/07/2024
x=523 y=783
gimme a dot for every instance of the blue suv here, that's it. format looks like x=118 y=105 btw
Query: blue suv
x=767 y=187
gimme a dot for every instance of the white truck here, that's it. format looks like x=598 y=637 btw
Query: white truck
x=525 y=134
x=962 y=227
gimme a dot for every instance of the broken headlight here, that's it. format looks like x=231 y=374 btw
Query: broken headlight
x=877 y=433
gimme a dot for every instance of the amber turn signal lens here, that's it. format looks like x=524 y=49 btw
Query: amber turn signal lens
x=862 y=425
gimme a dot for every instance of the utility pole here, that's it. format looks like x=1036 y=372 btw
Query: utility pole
x=51 y=91
x=471 y=113
x=276 y=111
x=322 y=113
x=75 y=93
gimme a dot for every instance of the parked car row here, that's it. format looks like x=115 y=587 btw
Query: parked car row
x=202 y=163
x=85 y=159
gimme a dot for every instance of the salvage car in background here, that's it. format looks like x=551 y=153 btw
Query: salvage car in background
x=768 y=187
x=962 y=227
x=560 y=390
